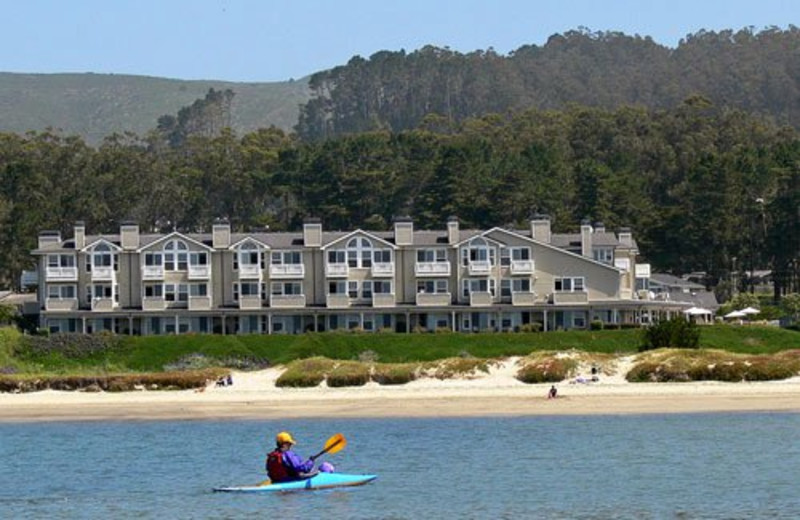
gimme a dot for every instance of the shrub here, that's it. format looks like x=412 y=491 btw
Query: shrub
x=112 y=383
x=305 y=373
x=419 y=329
x=368 y=356
x=394 y=373
x=596 y=325
x=546 y=370
x=70 y=345
x=464 y=366
x=673 y=333
x=443 y=330
x=531 y=327
x=349 y=373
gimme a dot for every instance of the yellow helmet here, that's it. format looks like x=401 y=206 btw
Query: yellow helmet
x=284 y=437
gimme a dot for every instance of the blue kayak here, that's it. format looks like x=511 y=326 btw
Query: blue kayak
x=318 y=481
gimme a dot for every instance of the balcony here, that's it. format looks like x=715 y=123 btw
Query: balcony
x=199 y=303
x=336 y=270
x=250 y=301
x=152 y=272
x=523 y=298
x=482 y=267
x=570 y=297
x=338 y=301
x=61 y=304
x=432 y=269
x=383 y=269
x=199 y=272
x=62 y=274
x=287 y=270
x=433 y=299
x=153 y=303
x=383 y=300
x=288 y=301
x=103 y=304
x=249 y=272
x=102 y=273
x=480 y=299
x=522 y=267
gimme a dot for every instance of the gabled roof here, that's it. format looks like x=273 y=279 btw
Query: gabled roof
x=98 y=241
x=357 y=232
x=248 y=238
x=174 y=234
x=478 y=235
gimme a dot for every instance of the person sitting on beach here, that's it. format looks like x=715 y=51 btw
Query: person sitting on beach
x=283 y=465
x=552 y=393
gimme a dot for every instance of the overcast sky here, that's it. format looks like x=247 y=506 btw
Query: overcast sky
x=270 y=40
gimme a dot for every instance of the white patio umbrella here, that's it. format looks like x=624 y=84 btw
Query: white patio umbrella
x=750 y=310
x=696 y=311
x=735 y=314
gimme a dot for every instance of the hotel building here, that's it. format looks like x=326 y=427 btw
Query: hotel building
x=403 y=280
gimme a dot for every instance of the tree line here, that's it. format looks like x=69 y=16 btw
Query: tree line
x=752 y=70
x=704 y=187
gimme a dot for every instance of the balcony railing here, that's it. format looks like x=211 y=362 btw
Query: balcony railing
x=287 y=271
x=433 y=299
x=152 y=272
x=336 y=270
x=288 y=301
x=523 y=298
x=337 y=301
x=199 y=272
x=62 y=273
x=383 y=269
x=432 y=269
x=249 y=272
x=153 y=303
x=480 y=299
x=522 y=267
x=102 y=273
x=103 y=304
x=383 y=300
x=61 y=304
x=249 y=301
x=481 y=267
x=199 y=303
x=570 y=297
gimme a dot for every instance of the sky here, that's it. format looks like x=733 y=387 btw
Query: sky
x=278 y=40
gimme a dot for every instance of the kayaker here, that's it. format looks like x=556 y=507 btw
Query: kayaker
x=283 y=465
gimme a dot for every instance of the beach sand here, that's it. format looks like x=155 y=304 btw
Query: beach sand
x=255 y=396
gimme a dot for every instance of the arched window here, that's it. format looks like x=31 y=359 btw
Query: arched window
x=248 y=255
x=102 y=256
x=176 y=256
x=477 y=251
x=359 y=252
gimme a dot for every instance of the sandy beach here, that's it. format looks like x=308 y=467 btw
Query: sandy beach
x=255 y=396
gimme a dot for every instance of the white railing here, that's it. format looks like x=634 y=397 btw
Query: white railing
x=383 y=300
x=249 y=301
x=62 y=273
x=152 y=272
x=153 y=303
x=199 y=303
x=102 y=274
x=103 y=304
x=570 y=297
x=522 y=267
x=61 y=304
x=199 y=272
x=480 y=267
x=432 y=269
x=288 y=301
x=287 y=270
x=433 y=299
x=336 y=270
x=249 y=271
x=337 y=301
x=480 y=299
x=523 y=298
x=383 y=269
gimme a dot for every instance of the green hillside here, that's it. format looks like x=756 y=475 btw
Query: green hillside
x=96 y=105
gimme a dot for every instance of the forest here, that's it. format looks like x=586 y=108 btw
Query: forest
x=707 y=182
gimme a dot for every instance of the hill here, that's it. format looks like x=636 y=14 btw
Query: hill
x=96 y=105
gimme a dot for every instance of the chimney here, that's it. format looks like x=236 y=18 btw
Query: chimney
x=540 y=228
x=403 y=231
x=586 y=238
x=79 y=235
x=599 y=227
x=452 y=230
x=312 y=232
x=129 y=235
x=49 y=240
x=625 y=237
x=221 y=234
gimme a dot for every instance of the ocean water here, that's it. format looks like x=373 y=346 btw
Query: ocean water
x=725 y=466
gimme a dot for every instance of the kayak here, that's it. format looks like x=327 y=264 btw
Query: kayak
x=318 y=481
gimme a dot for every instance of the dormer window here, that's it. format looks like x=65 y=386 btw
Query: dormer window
x=478 y=251
x=359 y=252
x=176 y=256
x=102 y=256
x=248 y=256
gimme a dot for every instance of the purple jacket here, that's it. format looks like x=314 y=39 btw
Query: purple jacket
x=293 y=462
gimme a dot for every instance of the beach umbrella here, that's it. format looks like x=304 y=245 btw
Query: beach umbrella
x=750 y=310
x=696 y=311
x=735 y=314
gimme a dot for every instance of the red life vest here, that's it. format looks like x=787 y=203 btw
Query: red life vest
x=276 y=469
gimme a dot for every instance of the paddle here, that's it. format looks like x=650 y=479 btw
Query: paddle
x=333 y=445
